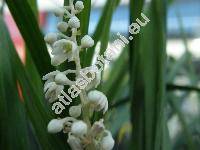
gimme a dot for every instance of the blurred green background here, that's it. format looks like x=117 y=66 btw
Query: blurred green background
x=152 y=84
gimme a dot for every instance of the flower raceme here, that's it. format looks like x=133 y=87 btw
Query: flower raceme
x=82 y=134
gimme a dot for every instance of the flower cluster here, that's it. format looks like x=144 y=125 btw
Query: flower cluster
x=82 y=134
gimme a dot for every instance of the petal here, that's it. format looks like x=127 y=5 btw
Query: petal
x=50 y=75
x=48 y=81
x=105 y=108
x=57 y=51
x=58 y=59
x=51 y=89
x=70 y=56
x=48 y=85
x=59 y=89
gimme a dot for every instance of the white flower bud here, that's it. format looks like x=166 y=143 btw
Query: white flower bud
x=75 y=111
x=79 y=6
x=107 y=142
x=99 y=100
x=74 y=22
x=62 y=26
x=74 y=142
x=87 y=42
x=97 y=128
x=79 y=128
x=55 y=126
x=59 y=12
x=61 y=78
x=50 y=38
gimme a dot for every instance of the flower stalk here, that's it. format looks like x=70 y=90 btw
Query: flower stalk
x=82 y=134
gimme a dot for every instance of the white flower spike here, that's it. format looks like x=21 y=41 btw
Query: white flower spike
x=87 y=42
x=81 y=134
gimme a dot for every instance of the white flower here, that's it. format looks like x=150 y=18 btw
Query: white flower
x=92 y=74
x=55 y=126
x=75 y=111
x=79 y=128
x=62 y=50
x=62 y=79
x=87 y=42
x=54 y=84
x=107 y=142
x=99 y=100
x=74 y=22
x=79 y=6
x=50 y=38
x=97 y=128
x=52 y=91
x=59 y=12
x=62 y=26
x=74 y=142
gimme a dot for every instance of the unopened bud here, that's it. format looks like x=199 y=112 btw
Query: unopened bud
x=107 y=142
x=75 y=111
x=55 y=126
x=74 y=22
x=62 y=26
x=50 y=38
x=59 y=12
x=79 y=6
x=87 y=42
x=79 y=128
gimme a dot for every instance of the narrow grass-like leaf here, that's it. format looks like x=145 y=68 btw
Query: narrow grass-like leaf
x=28 y=26
x=84 y=19
x=147 y=66
x=99 y=34
x=12 y=113
x=136 y=84
x=37 y=111
x=118 y=69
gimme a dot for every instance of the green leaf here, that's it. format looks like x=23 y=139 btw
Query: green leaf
x=37 y=111
x=28 y=26
x=84 y=19
x=118 y=70
x=33 y=5
x=12 y=113
x=136 y=84
x=147 y=70
x=99 y=34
